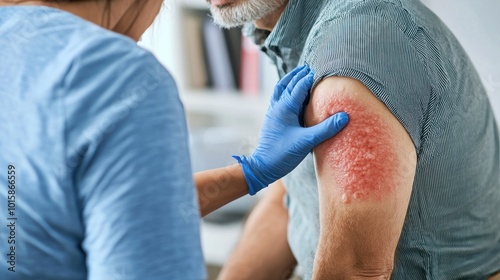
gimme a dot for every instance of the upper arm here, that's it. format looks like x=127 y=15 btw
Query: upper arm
x=134 y=173
x=365 y=176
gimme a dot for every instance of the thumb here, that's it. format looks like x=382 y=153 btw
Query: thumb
x=329 y=127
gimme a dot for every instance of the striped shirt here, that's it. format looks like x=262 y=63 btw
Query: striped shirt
x=411 y=62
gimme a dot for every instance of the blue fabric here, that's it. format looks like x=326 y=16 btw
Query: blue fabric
x=410 y=61
x=95 y=129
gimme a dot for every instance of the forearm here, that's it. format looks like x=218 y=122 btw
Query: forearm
x=360 y=255
x=217 y=187
x=359 y=237
x=263 y=252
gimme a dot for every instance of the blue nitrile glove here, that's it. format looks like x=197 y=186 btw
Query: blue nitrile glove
x=283 y=142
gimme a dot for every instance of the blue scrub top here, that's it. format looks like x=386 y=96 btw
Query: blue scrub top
x=94 y=137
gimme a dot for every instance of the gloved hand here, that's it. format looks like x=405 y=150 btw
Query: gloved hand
x=283 y=142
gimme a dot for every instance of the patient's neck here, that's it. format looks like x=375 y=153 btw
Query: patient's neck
x=269 y=22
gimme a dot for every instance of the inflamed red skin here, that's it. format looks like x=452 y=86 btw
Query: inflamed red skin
x=365 y=176
x=360 y=157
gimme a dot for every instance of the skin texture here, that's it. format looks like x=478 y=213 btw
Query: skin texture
x=361 y=157
x=365 y=177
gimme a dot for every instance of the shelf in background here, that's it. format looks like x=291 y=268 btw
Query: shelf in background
x=229 y=104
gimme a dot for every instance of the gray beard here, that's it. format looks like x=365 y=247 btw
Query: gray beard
x=244 y=12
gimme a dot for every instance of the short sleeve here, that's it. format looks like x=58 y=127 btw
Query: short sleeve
x=379 y=52
x=127 y=154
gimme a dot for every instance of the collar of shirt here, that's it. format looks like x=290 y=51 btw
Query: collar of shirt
x=284 y=45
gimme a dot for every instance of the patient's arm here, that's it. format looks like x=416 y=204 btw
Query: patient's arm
x=263 y=252
x=365 y=176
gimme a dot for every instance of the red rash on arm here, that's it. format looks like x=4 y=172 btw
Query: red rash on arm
x=359 y=156
x=365 y=177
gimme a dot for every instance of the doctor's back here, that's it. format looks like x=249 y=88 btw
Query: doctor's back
x=95 y=176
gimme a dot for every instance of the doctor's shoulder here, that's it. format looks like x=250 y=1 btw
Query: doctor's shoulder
x=111 y=81
x=103 y=61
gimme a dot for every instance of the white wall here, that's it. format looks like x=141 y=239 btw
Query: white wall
x=476 y=24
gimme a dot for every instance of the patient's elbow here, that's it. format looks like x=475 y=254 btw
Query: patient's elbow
x=379 y=271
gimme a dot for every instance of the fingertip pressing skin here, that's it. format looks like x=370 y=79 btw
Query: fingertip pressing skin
x=360 y=157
